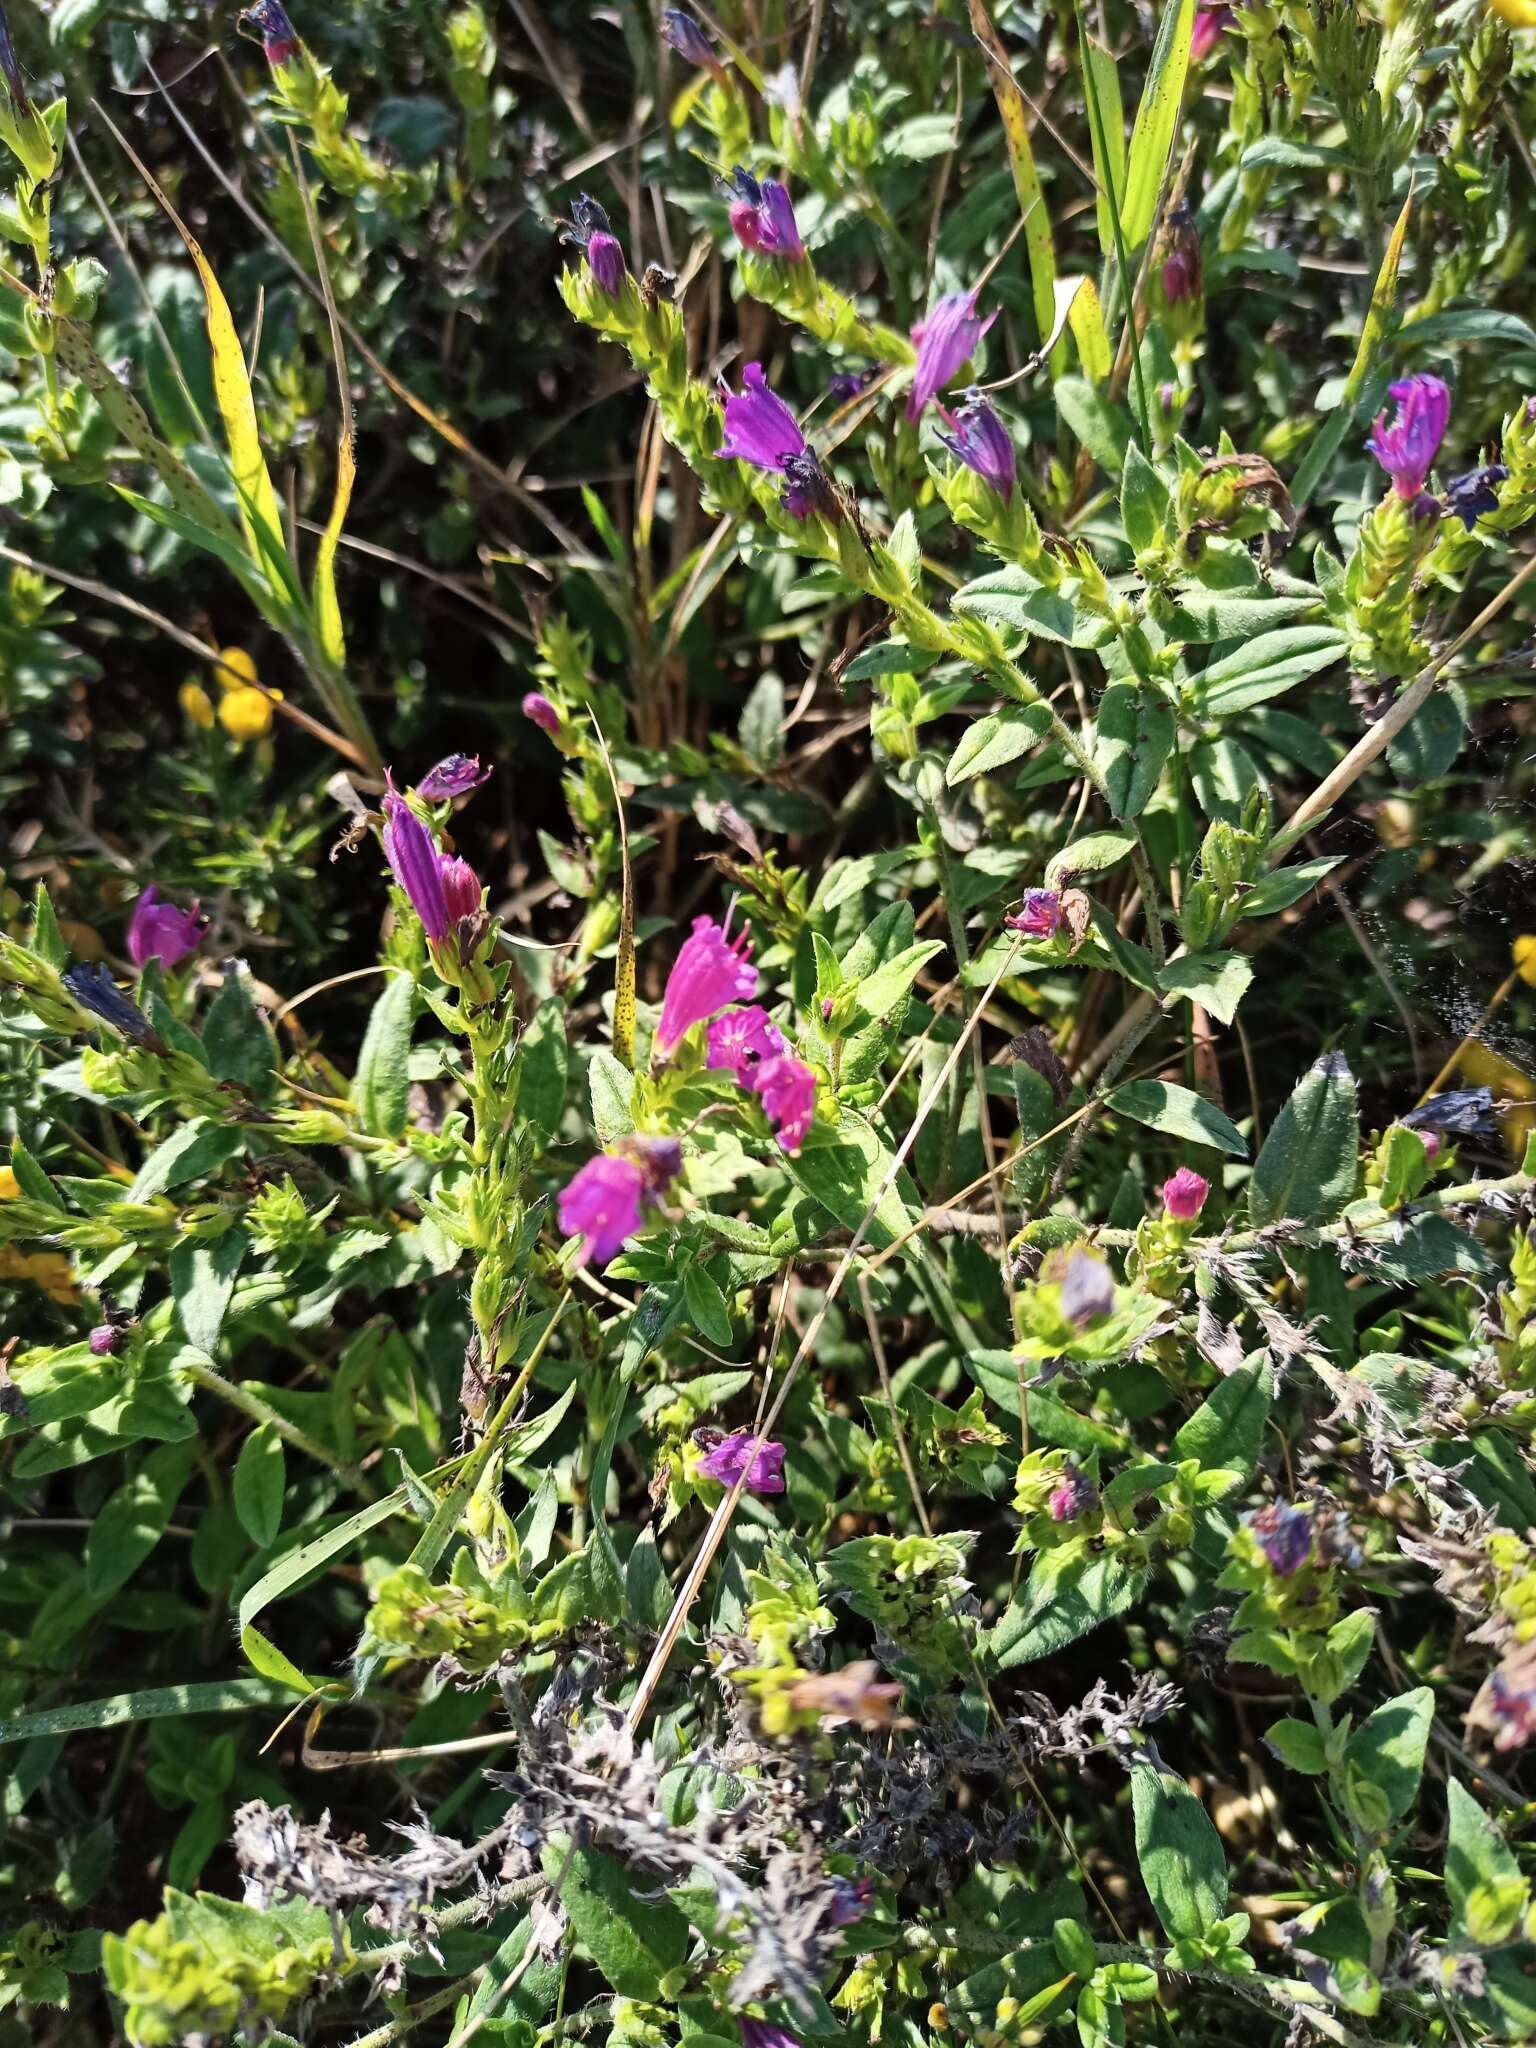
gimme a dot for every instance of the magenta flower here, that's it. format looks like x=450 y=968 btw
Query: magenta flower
x=982 y=443
x=455 y=775
x=763 y=2033
x=733 y=1456
x=1184 y=1194
x=759 y=426
x=461 y=889
x=1212 y=19
x=1039 y=916
x=601 y=1203
x=279 y=38
x=742 y=1039
x=710 y=971
x=544 y=715
x=1408 y=447
x=1076 y=1495
x=1284 y=1534
x=786 y=1087
x=592 y=234
x=945 y=340
x=106 y=1340
x=416 y=864
x=159 y=931
x=763 y=217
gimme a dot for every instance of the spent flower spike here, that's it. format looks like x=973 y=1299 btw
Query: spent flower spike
x=763 y=216
x=733 y=1456
x=711 y=970
x=945 y=340
x=1407 y=448
x=982 y=443
x=160 y=931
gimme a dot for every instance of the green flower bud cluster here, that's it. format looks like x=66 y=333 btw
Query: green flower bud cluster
x=909 y=1587
x=1458 y=546
x=1384 y=598
x=205 y=1967
x=1232 y=858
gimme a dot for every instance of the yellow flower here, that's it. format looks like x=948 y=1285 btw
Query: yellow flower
x=1484 y=1068
x=197 y=706
x=1518 y=13
x=10 y=1186
x=236 y=670
x=1523 y=953
x=51 y=1271
x=246 y=714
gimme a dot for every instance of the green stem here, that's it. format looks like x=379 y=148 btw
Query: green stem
x=259 y=1411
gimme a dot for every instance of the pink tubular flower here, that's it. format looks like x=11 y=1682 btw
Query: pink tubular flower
x=763 y=216
x=742 y=1040
x=1039 y=916
x=733 y=1455
x=786 y=1087
x=544 y=715
x=159 y=931
x=1184 y=1194
x=601 y=1203
x=1409 y=446
x=945 y=340
x=1212 y=19
x=461 y=889
x=710 y=971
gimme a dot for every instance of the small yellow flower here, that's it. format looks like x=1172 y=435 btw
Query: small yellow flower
x=246 y=714
x=197 y=706
x=51 y=1271
x=1523 y=953
x=1518 y=13
x=10 y=1186
x=236 y=670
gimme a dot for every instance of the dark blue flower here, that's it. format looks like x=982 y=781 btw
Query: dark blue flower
x=682 y=32
x=763 y=216
x=592 y=234
x=1284 y=1534
x=1475 y=492
x=279 y=37
x=94 y=989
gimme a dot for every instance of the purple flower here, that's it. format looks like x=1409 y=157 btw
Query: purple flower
x=763 y=2033
x=806 y=489
x=601 y=1203
x=1212 y=19
x=159 y=931
x=786 y=1087
x=455 y=775
x=1284 y=1534
x=1076 y=1495
x=1407 y=448
x=660 y=1161
x=591 y=233
x=279 y=38
x=763 y=217
x=1087 y=1289
x=416 y=864
x=945 y=340
x=847 y=384
x=1039 y=916
x=544 y=715
x=461 y=889
x=710 y=971
x=742 y=1039
x=733 y=1456
x=851 y=1898
x=759 y=426
x=1475 y=492
x=94 y=989
x=1184 y=1194
x=682 y=33
x=1510 y=1709
x=982 y=443
x=106 y=1340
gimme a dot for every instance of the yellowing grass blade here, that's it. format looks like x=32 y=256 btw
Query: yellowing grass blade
x=1026 y=179
x=1105 y=86
x=1085 y=316
x=328 y=624
x=1156 y=119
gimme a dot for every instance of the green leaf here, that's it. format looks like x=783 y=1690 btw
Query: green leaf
x=887 y=658
x=1178 y=1113
x=383 y=1085
x=1227 y=1429
x=260 y=1483
x=1103 y=81
x=647 y=1593
x=1482 y=1877
x=634 y=1941
x=292 y=1570
x=1182 y=1862
x=1299 y=1747
x=1285 y=886
x=543 y=1063
x=202 y=1276
x=706 y=1304
x=153 y=1703
x=1103 y=427
x=1386 y=1752
x=1468 y=323
x=537 y=1984
x=235 y=1037
x=1264 y=667
x=1428 y=744
x=132 y=1520
x=1144 y=501
x=1133 y=737
x=1156 y=119
x=1200 y=617
x=1008 y=598
x=47 y=940
x=196 y=1149
x=761 y=730
x=1307 y=1169
x=1089 y=856
x=1216 y=981
x=32 y=1180
x=994 y=741
x=1057 y=1604
x=612 y=1088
